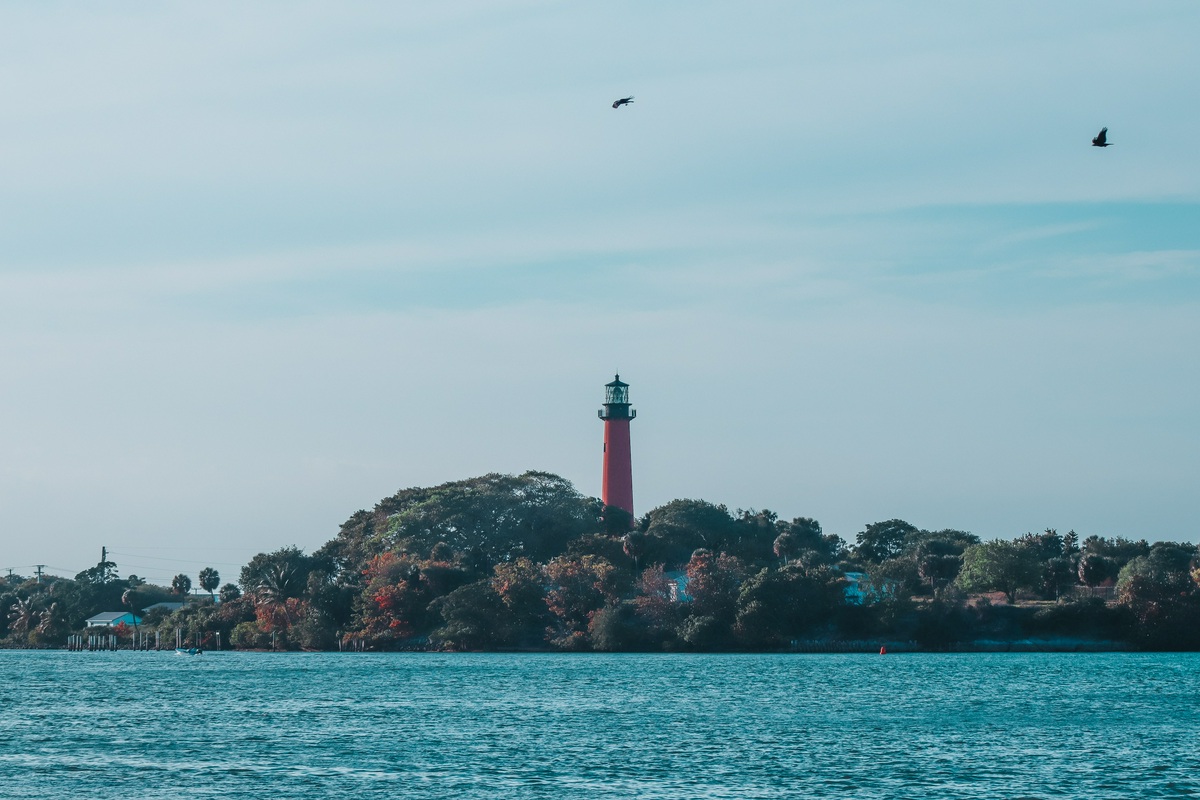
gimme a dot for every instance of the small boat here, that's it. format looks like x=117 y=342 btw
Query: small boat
x=188 y=651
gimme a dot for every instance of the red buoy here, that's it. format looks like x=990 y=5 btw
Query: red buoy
x=883 y=650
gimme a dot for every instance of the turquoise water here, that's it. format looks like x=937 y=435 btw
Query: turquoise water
x=158 y=725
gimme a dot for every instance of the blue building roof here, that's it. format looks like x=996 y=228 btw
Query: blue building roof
x=113 y=618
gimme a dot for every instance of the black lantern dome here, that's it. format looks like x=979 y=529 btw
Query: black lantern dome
x=616 y=401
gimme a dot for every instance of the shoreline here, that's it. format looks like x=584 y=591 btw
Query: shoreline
x=798 y=648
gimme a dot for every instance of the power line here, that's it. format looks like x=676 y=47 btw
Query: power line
x=201 y=549
x=134 y=566
x=176 y=560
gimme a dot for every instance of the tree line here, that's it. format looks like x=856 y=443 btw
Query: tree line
x=527 y=562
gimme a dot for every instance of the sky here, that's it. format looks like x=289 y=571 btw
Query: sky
x=262 y=265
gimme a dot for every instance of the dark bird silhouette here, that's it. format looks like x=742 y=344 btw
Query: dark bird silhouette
x=1101 y=139
x=624 y=101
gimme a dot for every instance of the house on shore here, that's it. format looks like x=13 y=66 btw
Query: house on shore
x=855 y=592
x=111 y=619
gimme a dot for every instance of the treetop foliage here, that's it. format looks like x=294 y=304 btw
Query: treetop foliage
x=880 y=541
x=527 y=562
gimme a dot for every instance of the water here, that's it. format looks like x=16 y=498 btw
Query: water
x=158 y=725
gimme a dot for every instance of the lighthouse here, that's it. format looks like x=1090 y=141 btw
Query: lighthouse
x=617 y=488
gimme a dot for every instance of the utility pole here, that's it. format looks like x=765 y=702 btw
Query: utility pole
x=39 y=568
x=103 y=554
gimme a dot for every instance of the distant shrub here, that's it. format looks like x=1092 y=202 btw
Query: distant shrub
x=248 y=636
x=1088 y=617
x=617 y=627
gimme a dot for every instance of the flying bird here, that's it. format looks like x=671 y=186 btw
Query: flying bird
x=1101 y=139
x=624 y=101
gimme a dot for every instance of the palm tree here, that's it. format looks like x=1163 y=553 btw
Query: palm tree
x=280 y=582
x=127 y=600
x=210 y=579
x=634 y=545
x=181 y=584
x=787 y=546
x=21 y=615
x=48 y=620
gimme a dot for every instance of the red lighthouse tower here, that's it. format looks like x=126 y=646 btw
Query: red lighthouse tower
x=617 y=489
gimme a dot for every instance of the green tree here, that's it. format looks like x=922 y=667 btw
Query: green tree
x=577 y=588
x=314 y=630
x=1058 y=575
x=499 y=517
x=520 y=585
x=808 y=530
x=705 y=632
x=181 y=584
x=656 y=606
x=997 y=566
x=229 y=592
x=473 y=618
x=617 y=627
x=22 y=616
x=51 y=624
x=210 y=579
x=753 y=536
x=1158 y=589
x=1043 y=546
x=610 y=548
x=396 y=603
x=880 y=541
x=1119 y=550
x=892 y=580
x=1056 y=561
x=103 y=573
x=634 y=546
x=278 y=576
x=680 y=527
x=714 y=581
x=7 y=599
x=1095 y=569
x=99 y=591
x=617 y=521
x=248 y=635
x=776 y=606
x=938 y=561
x=802 y=539
x=786 y=546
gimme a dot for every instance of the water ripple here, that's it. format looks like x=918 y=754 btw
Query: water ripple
x=150 y=725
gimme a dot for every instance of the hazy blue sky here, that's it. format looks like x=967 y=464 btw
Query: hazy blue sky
x=264 y=264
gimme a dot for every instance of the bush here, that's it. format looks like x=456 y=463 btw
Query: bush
x=704 y=632
x=616 y=628
x=1088 y=618
x=315 y=631
x=248 y=636
x=941 y=624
